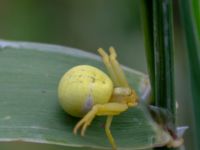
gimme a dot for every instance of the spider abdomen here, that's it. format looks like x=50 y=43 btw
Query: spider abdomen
x=83 y=86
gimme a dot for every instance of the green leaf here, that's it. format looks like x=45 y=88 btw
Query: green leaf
x=29 y=109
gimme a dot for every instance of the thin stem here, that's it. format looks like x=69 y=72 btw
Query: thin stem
x=158 y=30
x=163 y=54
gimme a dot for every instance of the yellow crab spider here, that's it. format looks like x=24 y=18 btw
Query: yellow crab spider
x=85 y=91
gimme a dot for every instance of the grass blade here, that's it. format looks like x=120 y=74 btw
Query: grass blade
x=29 y=109
x=163 y=54
x=196 y=12
x=193 y=48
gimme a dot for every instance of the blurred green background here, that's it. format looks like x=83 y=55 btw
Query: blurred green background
x=88 y=25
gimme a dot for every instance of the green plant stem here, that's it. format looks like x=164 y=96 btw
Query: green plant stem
x=163 y=54
x=158 y=30
x=196 y=12
x=193 y=48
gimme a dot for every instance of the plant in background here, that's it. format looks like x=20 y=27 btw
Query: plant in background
x=190 y=14
x=158 y=29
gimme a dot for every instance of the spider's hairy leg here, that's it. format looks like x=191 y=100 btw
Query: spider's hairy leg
x=132 y=98
x=108 y=109
x=106 y=60
x=108 y=132
x=108 y=65
x=121 y=78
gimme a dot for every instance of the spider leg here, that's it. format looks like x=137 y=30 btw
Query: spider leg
x=119 y=79
x=108 y=109
x=106 y=60
x=119 y=73
x=108 y=132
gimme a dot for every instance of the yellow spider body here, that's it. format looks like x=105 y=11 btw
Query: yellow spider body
x=85 y=91
x=82 y=87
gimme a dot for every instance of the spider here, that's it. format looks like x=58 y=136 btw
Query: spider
x=85 y=91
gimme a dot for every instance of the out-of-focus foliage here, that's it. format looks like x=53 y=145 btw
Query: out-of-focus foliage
x=87 y=25
x=190 y=18
x=195 y=10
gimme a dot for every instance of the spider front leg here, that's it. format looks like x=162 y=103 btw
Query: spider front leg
x=99 y=110
x=114 y=69
x=119 y=73
x=119 y=79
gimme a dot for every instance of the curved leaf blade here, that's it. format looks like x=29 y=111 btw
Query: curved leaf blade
x=29 y=110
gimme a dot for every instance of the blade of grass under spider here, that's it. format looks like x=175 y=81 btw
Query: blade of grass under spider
x=157 y=16
x=193 y=48
x=29 y=110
